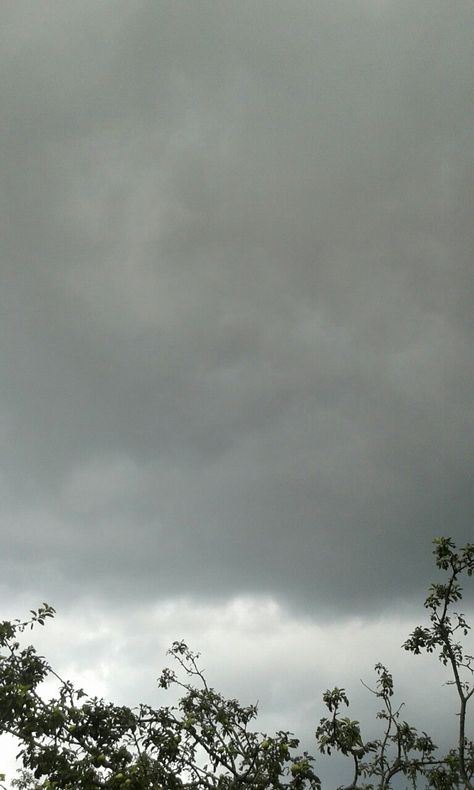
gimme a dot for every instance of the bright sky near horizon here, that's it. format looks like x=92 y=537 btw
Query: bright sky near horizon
x=236 y=334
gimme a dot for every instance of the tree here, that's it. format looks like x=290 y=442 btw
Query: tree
x=206 y=742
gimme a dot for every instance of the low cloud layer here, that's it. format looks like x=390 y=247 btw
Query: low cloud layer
x=236 y=299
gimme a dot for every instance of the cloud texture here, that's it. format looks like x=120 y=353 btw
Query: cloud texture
x=236 y=304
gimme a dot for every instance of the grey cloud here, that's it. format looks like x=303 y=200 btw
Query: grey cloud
x=237 y=263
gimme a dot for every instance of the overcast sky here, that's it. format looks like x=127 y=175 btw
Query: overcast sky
x=236 y=337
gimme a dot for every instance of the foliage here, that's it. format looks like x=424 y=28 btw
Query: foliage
x=401 y=750
x=73 y=741
x=206 y=742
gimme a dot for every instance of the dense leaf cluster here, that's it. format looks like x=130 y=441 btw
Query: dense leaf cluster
x=207 y=742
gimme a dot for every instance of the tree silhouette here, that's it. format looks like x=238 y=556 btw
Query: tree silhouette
x=207 y=742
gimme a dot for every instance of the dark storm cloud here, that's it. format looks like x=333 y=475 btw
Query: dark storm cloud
x=236 y=295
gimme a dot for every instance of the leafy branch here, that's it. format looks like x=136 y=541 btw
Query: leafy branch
x=207 y=742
